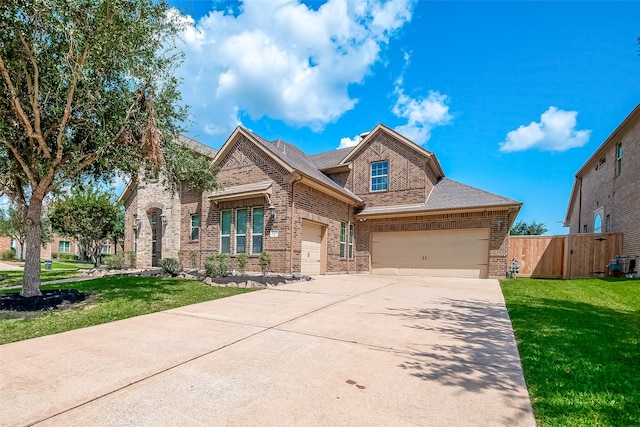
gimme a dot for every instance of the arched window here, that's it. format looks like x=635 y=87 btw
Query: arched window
x=597 y=223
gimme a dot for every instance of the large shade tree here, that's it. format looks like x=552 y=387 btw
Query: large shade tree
x=87 y=89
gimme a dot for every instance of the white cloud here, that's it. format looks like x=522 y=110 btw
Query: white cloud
x=556 y=131
x=283 y=60
x=349 y=142
x=422 y=114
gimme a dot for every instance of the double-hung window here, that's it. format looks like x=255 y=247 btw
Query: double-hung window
x=380 y=176
x=619 y=158
x=195 y=227
x=241 y=231
x=343 y=239
x=225 y=232
x=257 y=227
x=351 y=232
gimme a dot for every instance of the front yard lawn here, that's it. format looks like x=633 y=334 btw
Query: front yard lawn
x=111 y=298
x=579 y=341
x=14 y=277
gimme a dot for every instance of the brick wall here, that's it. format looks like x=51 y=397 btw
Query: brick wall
x=410 y=179
x=616 y=195
x=313 y=205
x=495 y=221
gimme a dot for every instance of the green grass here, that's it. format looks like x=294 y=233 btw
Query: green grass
x=579 y=341
x=112 y=298
x=14 y=278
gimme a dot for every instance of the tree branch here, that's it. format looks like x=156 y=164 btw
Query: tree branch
x=67 y=108
x=20 y=159
x=35 y=94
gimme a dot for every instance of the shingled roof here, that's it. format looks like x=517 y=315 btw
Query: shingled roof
x=197 y=146
x=447 y=194
x=329 y=159
x=296 y=159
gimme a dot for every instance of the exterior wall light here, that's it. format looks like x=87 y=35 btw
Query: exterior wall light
x=272 y=211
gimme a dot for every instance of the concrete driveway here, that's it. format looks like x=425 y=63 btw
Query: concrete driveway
x=338 y=350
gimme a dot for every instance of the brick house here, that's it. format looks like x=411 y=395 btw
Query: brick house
x=604 y=198
x=383 y=206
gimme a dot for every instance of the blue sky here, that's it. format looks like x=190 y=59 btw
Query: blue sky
x=512 y=97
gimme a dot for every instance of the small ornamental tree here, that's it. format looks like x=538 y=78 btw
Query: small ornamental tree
x=87 y=90
x=89 y=216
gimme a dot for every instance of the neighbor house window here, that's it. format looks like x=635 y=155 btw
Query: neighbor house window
x=351 y=232
x=64 y=247
x=241 y=231
x=380 y=176
x=225 y=232
x=195 y=227
x=257 y=227
x=154 y=218
x=106 y=250
x=343 y=239
x=619 y=158
x=597 y=221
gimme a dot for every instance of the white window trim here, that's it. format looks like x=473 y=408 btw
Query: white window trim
x=619 y=154
x=343 y=243
x=371 y=177
x=596 y=213
x=192 y=228
x=221 y=228
x=253 y=210
x=236 y=234
x=351 y=237
x=67 y=248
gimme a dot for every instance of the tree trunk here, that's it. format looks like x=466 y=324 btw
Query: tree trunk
x=31 y=280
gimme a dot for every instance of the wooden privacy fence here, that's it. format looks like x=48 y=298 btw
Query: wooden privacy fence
x=568 y=257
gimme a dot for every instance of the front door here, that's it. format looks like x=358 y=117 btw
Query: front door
x=156 y=239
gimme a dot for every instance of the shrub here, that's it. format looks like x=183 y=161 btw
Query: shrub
x=54 y=255
x=8 y=255
x=169 y=265
x=131 y=256
x=193 y=257
x=211 y=266
x=69 y=257
x=242 y=262
x=265 y=262
x=217 y=265
x=114 y=262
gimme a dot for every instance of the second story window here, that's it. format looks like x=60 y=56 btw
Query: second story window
x=619 y=158
x=380 y=176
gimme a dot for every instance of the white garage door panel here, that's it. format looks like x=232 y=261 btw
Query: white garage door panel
x=455 y=253
x=311 y=248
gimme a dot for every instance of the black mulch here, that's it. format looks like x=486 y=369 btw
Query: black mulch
x=48 y=301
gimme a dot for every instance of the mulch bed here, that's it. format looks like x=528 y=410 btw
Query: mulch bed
x=48 y=301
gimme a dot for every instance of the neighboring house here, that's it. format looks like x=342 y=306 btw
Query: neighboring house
x=605 y=195
x=383 y=206
x=5 y=243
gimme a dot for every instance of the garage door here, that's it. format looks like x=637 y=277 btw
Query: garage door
x=455 y=253
x=311 y=248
